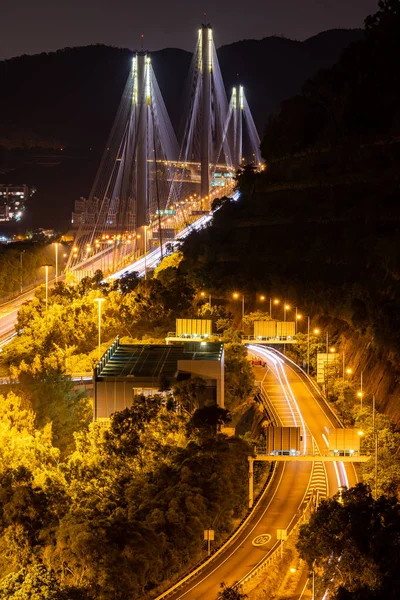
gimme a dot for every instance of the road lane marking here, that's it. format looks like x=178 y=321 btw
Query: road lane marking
x=261 y=540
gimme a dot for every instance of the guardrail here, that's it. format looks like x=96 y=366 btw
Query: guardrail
x=275 y=553
x=198 y=568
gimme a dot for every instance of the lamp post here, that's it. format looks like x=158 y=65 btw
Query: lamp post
x=376 y=445
x=276 y=302
x=286 y=307
x=47 y=290
x=236 y=295
x=20 y=272
x=145 y=252
x=56 y=245
x=203 y=295
x=99 y=303
x=308 y=344
x=298 y=318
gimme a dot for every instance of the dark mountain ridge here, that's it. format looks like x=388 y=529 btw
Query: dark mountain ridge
x=72 y=95
x=66 y=101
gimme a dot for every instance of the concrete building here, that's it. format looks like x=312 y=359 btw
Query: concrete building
x=13 y=199
x=129 y=370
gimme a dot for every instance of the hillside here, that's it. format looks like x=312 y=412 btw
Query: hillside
x=320 y=226
x=71 y=95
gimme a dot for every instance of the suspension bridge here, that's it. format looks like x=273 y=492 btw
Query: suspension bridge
x=151 y=189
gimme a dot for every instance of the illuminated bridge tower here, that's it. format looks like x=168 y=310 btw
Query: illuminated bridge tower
x=243 y=134
x=237 y=108
x=142 y=101
x=205 y=55
x=134 y=178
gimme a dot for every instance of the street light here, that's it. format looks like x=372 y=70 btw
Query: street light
x=376 y=445
x=236 y=296
x=276 y=302
x=56 y=245
x=298 y=318
x=203 y=295
x=99 y=303
x=20 y=263
x=145 y=252
x=47 y=289
x=285 y=308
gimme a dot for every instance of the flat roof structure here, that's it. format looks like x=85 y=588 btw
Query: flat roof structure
x=126 y=370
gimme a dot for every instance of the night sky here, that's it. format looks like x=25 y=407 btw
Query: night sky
x=32 y=26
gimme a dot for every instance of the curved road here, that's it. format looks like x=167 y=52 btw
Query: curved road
x=296 y=403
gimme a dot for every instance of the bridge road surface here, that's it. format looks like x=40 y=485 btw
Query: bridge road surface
x=275 y=511
x=9 y=312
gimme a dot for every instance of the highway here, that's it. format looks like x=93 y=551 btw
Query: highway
x=296 y=403
x=9 y=310
x=8 y=315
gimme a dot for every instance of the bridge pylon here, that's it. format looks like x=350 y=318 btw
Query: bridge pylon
x=206 y=41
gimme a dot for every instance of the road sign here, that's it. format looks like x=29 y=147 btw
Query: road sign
x=324 y=361
x=209 y=537
x=281 y=534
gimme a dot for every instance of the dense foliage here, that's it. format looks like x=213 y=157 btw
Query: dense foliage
x=123 y=512
x=357 y=99
x=320 y=226
x=21 y=264
x=352 y=544
x=103 y=511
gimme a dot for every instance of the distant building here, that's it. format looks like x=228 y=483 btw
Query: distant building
x=89 y=212
x=129 y=370
x=13 y=200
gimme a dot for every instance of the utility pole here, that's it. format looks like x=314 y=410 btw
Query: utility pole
x=206 y=47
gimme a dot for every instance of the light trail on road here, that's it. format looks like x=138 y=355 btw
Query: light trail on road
x=279 y=511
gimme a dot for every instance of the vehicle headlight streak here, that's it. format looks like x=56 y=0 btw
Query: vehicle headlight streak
x=281 y=374
x=342 y=467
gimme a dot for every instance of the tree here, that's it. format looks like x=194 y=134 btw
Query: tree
x=34 y=583
x=239 y=377
x=172 y=261
x=352 y=544
x=388 y=440
x=230 y=592
x=190 y=393
x=208 y=420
